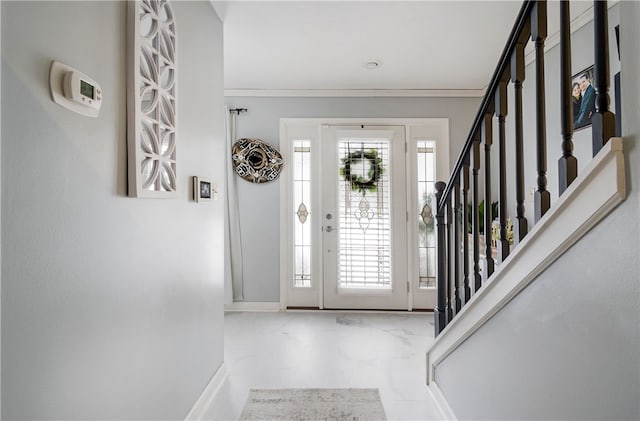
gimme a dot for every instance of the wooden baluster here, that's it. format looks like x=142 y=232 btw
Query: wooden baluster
x=451 y=252
x=476 y=217
x=617 y=94
x=457 y=305
x=501 y=113
x=603 y=121
x=520 y=225
x=439 y=313
x=567 y=164
x=465 y=228
x=487 y=139
x=542 y=197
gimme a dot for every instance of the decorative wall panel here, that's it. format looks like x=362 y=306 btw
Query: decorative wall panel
x=151 y=99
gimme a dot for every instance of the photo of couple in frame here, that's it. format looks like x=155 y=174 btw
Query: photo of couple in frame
x=583 y=97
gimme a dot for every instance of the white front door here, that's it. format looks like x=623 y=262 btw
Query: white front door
x=357 y=212
x=364 y=217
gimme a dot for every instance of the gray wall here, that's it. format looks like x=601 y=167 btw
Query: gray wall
x=568 y=346
x=260 y=203
x=0 y=223
x=112 y=307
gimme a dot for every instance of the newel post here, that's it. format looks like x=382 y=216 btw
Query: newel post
x=441 y=280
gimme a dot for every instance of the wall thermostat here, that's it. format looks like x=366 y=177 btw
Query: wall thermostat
x=204 y=189
x=74 y=90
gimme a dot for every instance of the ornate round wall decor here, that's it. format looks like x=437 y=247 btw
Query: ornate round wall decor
x=362 y=169
x=256 y=161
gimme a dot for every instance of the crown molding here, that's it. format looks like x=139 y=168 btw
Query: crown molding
x=356 y=93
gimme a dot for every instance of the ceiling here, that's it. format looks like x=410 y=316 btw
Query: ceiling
x=325 y=45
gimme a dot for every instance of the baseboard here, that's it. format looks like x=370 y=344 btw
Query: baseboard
x=252 y=306
x=441 y=402
x=204 y=401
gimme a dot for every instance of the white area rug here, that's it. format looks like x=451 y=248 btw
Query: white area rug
x=313 y=404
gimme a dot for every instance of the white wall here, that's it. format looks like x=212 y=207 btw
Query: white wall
x=260 y=203
x=567 y=347
x=111 y=306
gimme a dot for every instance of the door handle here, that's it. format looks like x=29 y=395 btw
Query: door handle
x=329 y=228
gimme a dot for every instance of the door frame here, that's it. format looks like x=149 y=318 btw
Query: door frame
x=311 y=128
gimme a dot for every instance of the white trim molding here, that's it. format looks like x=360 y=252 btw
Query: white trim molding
x=203 y=403
x=446 y=413
x=357 y=93
x=264 y=307
x=596 y=192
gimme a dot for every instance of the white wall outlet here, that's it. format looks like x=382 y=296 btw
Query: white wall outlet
x=214 y=191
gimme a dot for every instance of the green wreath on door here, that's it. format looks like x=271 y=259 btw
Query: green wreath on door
x=362 y=182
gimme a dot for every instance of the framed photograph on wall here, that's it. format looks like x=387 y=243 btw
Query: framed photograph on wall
x=583 y=96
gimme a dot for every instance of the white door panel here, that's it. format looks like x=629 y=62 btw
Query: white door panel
x=364 y=218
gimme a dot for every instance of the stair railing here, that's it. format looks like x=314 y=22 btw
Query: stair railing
x=454 y=204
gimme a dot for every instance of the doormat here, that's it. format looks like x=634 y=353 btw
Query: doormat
x=313 y=404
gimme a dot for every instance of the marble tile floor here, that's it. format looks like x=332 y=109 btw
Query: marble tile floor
x=328 y=350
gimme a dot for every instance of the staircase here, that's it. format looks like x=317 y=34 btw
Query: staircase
x=539 y=315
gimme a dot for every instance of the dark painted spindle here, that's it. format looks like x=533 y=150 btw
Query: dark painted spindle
x=439 y=313
x=450 y=251
x=501 y=113
x=465 y=229
x=457 y=305
x=542 y=197
x=520 y=225
x=618 y=100
x=616 y=89
x=487 y=140
x=603 y=121
x=567 y=164
x=475 y=215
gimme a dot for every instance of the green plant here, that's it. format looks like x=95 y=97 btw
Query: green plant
x=494 y=215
